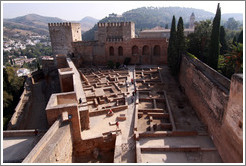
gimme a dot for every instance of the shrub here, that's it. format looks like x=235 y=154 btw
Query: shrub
x=127 y=61
x=117 y=65
x=111 y=64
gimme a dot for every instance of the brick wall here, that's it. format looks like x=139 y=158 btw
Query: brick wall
x=96 y=53
x=86 y=147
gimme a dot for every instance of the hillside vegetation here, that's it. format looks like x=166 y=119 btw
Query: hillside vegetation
x=33 y=24
x=146 y=18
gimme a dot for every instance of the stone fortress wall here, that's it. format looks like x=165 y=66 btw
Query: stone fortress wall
x=218 y=103
x=116 y=42
x=55 y=146
x=115 y=31
x=62 y=35
x=113 y=42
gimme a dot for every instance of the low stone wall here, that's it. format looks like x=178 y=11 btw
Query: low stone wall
x=54 y=147
x=21 y=133
x=167 y=134
x=138 y=153
x=118 y=149
x=105 y=111
x=208 y=93
x=22 y=108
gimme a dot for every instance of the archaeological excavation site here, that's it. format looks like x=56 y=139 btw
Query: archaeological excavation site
x=77 y=109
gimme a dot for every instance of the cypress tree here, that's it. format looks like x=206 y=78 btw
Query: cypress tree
x=214 y=48
x=240 y=37
x=172 y=46
x=223 y=42
x=180 y=44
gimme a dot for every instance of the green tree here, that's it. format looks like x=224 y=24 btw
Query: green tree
x=214 y=48
x=117 y=65
x=198 y=42
x=110 y=64
x=172 y=52
x=240 y=37
x=180 y=44
x=223 y=42
x=232 y=24
x=12 y=89
x=127 y=61
x=234 y=58
x=7 y=99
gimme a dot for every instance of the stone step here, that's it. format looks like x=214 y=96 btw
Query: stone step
x=167 y=133
x=182 y=148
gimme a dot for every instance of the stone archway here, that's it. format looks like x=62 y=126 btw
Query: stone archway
x=135 y=50
x=157 y=50
x=120 y=51
x=111 y=51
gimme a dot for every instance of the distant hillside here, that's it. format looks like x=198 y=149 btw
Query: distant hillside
x=38 y=25
x=146 y=18
x=87 y=23
x=237 y=16
x=30 y=24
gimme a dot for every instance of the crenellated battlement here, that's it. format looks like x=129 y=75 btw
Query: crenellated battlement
x=114 y=24
x=62 y=34
x=61 y=24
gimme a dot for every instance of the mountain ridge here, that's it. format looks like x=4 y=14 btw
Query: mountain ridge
x=144 y=18
x=38 y=25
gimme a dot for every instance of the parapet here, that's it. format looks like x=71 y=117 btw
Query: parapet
x=62 y=24
x=114 y=24
x=59 y=24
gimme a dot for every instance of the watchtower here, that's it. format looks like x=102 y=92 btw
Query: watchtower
x=115 y=31
x=192 y=20
x=62 y=35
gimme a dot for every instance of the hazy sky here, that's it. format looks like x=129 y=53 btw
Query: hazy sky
x=99 y=9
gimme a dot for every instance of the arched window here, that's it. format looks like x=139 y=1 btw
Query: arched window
x=134 y=50
x=145 y=50
x=120 y=51
x=157 y=50
x=111 y=51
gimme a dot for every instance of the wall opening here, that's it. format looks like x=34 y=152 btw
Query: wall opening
x=145 y=50
x=111 y=51
x=157 y=50
x=120 y=51
x=134 y=50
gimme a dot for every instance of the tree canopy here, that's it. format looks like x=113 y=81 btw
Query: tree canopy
x=12 y=89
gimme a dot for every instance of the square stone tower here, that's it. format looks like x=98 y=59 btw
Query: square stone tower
x=115 y=31
x=62 y=35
